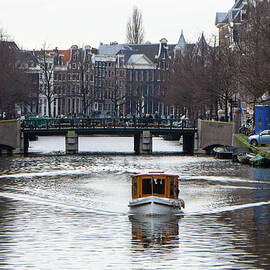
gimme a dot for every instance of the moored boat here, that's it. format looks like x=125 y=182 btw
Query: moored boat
x=260 y=161
x=223 y=152
x=244 y=158
x=155 y=193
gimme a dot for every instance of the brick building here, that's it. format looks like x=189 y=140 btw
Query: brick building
x=113 y=80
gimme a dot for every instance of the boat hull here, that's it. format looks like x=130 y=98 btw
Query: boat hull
x=152 y=206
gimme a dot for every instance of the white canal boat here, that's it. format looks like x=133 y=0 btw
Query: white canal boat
x=155 y=193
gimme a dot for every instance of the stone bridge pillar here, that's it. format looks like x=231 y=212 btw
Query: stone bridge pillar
x=188 y=143
x=25 y=144
x=10 y=136
x=137 y=139
x=143 y=143
x=72 y=142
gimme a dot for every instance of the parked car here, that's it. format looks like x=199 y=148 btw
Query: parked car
x=260 y=139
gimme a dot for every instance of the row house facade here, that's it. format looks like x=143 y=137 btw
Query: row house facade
x=23 y=61
x=113 y=80
x=68 y=78
x=229 y=22
x=144 y=70
x=110 y=90
x=73 y=81
x=229 y=25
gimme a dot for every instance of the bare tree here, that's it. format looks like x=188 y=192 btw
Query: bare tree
x=13 y=80
x=201 y=79
x=253 y=39
x=135 y=31
x=86 y=90
x=187 y=81
x=46 y=64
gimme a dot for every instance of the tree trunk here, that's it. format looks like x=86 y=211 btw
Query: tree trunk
x=226 y=110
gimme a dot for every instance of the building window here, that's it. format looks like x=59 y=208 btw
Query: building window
x=141 y=75
x=77 y=106
x=73 y=106
x=68 y=105
x=136 y=76
x=59 y=106
x=134 y=188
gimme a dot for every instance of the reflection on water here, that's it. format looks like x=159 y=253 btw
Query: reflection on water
x=98 y=144
x=154 y=231
x=71 y=212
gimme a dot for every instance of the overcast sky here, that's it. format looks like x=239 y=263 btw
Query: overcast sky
x=62 y=23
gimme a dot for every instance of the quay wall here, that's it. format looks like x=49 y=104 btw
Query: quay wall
x=215 y=133
x=10 y=135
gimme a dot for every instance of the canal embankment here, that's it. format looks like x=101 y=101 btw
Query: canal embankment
x=261 y=154
x=241 y=140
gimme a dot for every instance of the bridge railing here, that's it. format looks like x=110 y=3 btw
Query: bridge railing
x=71 y=123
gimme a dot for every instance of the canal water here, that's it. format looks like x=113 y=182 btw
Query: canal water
x=71 y=212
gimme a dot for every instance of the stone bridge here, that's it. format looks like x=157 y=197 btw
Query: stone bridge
x=14 y=138
x=142 y=129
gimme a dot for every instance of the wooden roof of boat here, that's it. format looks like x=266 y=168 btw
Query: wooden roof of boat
x=154 y=173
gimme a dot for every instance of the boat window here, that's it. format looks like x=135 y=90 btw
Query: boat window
x=135 y=187
x=159 y=186
x=146 y=186
x=171 y=188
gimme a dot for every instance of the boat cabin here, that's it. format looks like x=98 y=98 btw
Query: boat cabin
x=155 y=184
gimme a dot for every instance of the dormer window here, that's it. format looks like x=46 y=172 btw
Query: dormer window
x=60 y=60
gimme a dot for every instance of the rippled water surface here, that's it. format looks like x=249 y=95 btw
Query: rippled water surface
x=71 y=212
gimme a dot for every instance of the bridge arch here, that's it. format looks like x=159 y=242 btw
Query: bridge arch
x=6 y=148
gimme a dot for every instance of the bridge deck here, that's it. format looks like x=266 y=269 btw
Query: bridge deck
x=115 y=126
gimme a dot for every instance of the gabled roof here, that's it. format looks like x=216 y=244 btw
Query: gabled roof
x=9 y=44
x=182 y=41
x=237 y=4
x=139 y=59
x=150 y=50
x=111 y=49
x=233 y=15
x=27 y=56
x=66 y=55
x=127 y=54
x=181 y=45
x=221 y=17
